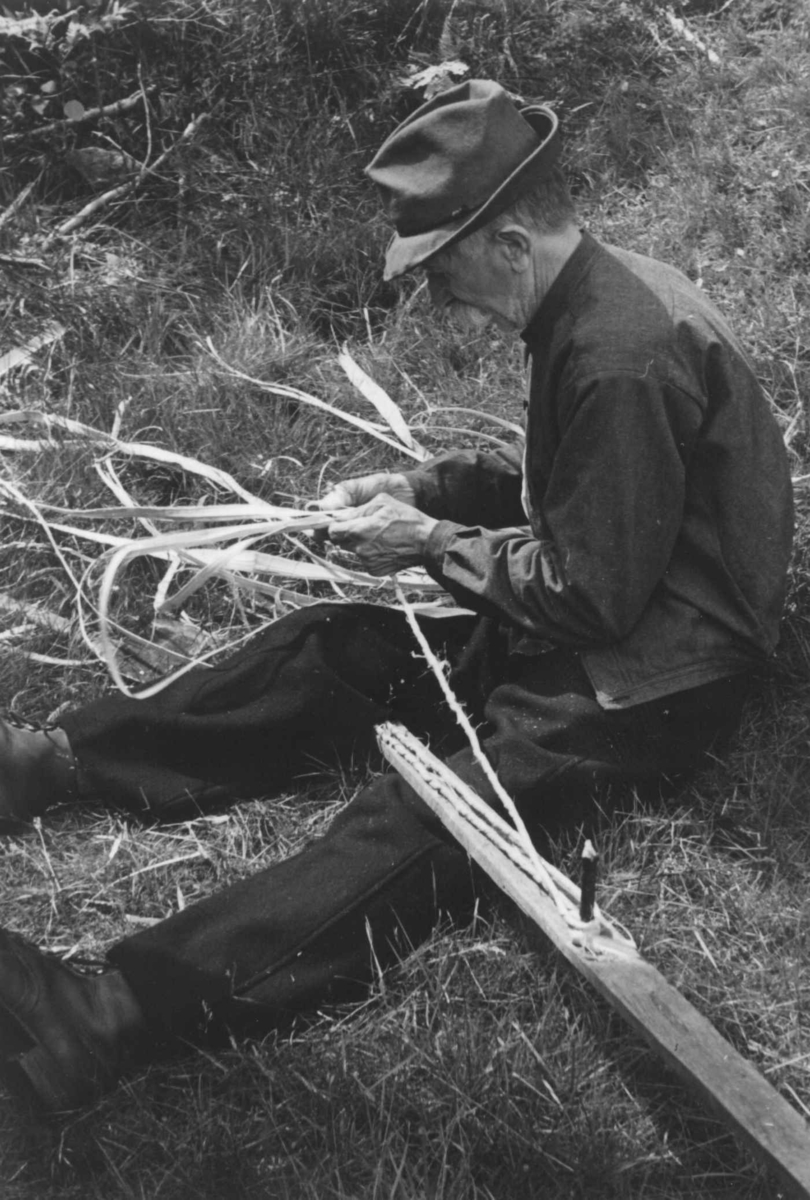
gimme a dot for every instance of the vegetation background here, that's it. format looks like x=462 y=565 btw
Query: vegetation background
x=483 y=1067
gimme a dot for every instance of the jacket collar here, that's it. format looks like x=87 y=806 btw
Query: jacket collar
x=556 y=298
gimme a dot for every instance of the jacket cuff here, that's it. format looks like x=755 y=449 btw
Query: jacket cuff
x=439 y=539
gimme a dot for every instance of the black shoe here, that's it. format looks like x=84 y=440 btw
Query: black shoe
x=37 y=769
x=65 y=1037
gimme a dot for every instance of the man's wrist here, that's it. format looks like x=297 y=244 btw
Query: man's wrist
x=438 y=540
x=425 y=529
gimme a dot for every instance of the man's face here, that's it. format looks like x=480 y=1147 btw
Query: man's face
x=471 y=282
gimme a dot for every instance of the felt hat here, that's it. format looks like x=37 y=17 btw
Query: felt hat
x=455 y=164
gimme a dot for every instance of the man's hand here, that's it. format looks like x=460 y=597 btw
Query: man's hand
x=351 y=493
x=386 y=534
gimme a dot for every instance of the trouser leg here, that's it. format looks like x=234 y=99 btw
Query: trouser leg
x=301 y=933
x=565 y=760
x=310 y=688
x=309 y=930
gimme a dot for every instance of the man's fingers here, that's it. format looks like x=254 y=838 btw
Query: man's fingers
x=354 y=520
x=337 y=497
x=343 y=527
x=352 y=493
x=385 y=534
x=349 y=493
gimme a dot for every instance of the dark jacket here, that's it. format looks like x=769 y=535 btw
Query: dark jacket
x=656 y=487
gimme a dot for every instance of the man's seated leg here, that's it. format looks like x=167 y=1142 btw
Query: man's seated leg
x=308 y=931
x=567 y=761
x=311 y=929
x=309 y=688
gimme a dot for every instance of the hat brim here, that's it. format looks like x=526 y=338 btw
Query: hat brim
x=406 y=253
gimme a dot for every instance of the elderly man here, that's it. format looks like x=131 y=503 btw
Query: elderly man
x=626 y=570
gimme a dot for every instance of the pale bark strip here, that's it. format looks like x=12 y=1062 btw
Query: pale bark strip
x=292 y=393
x=383 y=403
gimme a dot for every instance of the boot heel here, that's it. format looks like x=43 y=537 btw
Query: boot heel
x=44 y=1078
x=64 y=1035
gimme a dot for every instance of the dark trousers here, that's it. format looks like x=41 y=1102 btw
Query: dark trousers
x=307 y=931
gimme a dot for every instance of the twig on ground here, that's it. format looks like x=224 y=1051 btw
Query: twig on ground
x=89 y=114
x=147 y=114
x=117 y=193
x=15 y=260
x=17 y=203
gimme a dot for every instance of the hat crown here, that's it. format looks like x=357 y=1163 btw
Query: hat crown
x=451 y=155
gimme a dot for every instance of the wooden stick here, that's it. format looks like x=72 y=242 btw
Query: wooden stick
x=117 y=193
x=688 y=1043
x=15 y=260
x=89 y=114
x=588 y=897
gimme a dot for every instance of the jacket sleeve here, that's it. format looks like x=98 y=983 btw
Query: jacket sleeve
x=472 y=488
x=610 y=514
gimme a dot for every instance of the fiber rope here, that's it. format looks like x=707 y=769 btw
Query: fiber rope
x=514 y=841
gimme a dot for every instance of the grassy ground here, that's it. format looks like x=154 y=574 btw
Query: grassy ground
x=482 y=1068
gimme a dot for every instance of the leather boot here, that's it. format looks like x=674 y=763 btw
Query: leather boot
x=37 y=769
x=65 y=1037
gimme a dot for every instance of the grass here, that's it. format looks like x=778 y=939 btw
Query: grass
x=482 y=1067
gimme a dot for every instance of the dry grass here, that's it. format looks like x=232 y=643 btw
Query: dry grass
x=482 y=1068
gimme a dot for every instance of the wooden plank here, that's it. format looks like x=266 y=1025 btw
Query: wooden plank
x=727 y=1083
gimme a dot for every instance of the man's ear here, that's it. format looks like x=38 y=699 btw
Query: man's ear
x=515 y=244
